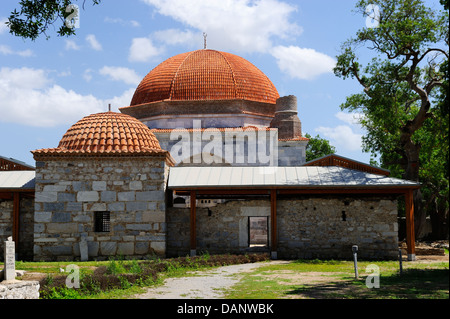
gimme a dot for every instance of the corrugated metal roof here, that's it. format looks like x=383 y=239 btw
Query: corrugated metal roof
x=310 y=176
x=17 y=180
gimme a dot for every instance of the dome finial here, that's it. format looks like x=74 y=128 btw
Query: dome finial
x=204 y=38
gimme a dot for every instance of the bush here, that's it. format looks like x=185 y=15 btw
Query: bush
x=120 y=274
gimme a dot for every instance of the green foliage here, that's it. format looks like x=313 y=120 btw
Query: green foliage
x=318 y=147
x=35 y=17
x=404 y=99
x=120 y=275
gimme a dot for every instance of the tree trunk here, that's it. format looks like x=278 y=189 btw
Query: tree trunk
x=439 y=219
x=412 y=151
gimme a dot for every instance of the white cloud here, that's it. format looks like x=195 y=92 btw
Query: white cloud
x=122 y=22
x=176 y=36
x=3 y=27
x=6 y=50
x=28 y=96
x=87 y=75
x=301 y=63
x=349 y=118
x=125 y=75
x=241 y=25
x=92 y=40
x=142 y=50
x=72 y=45
x=342 y=137
x=121 y=101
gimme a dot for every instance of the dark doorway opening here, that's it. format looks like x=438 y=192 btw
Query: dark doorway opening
x=258 y=231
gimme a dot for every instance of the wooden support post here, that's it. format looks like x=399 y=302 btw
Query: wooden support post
x=410 y=237
x=16 y=212
x=193 y=225
x=273 y=223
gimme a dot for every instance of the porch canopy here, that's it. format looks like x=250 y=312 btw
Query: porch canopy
x=220 y=182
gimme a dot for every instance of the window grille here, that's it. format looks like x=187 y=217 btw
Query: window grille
x=102 y=222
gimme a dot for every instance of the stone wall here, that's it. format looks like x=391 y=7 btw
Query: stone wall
x=69 y=192
x=20 y=290
x=328 y=227
x=6 y=222
x=26 y=226
x=307 y=228
x=220 y=229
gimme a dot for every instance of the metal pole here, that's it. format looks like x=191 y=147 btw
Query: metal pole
x=400 y=260
x=355 y=249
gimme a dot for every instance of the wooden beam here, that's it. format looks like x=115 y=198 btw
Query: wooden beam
x=16 y=212
x=8 y=196
x=273 y=223
x=247 y=190
x=193 y=229
x=225 y=191
x=410 y=236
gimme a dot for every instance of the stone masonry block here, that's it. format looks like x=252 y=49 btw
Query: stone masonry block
x=99 y=185
x=116 y=206
x=42 y=217
x=66 y=197
x=136 y=206
x=87 y=196
x=62 y=228
x=126 y=196
x=135 y=185
x=46 y=197
x=61 y=217
x=125 y=248
x=108 y=196
x=108 y=248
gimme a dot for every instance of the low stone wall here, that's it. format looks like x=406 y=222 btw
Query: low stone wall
x=19 y=290
x=69 y=193
x=323 y=227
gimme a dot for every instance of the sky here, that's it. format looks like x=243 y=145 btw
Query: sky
x=47 y=85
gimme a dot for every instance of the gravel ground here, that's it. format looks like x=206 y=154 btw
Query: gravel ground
x=205 y=285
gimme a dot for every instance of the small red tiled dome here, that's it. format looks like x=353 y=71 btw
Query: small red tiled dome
x=205 y=75
x=104 y=133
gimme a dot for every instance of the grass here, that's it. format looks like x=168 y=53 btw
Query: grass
x=310 y=279
x=332 y=279
x=120 y=278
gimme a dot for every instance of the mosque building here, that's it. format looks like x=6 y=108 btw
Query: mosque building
x=206 y=158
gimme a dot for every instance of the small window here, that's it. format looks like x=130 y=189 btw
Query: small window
x=102 y=222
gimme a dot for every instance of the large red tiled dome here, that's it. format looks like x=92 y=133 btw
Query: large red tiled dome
x=205 y=75
x=107 y=133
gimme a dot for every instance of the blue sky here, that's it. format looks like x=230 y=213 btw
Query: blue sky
x=48 y=85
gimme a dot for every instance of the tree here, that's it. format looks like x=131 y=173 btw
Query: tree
x=36 y=16
x=318 y=147
x=400 y=83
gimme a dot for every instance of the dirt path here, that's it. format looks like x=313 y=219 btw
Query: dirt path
x=204 y=285
x=213 y=283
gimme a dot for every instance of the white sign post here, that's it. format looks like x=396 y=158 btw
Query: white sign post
x=9 y=272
